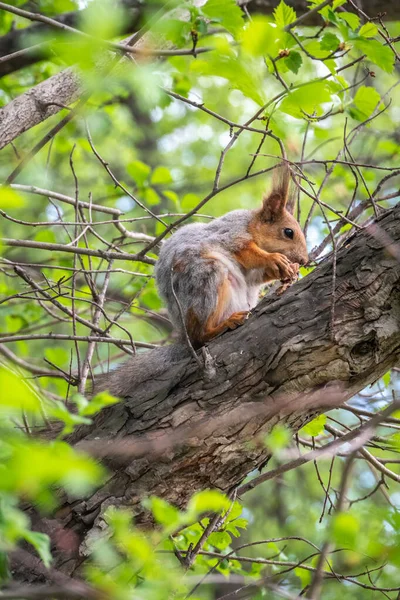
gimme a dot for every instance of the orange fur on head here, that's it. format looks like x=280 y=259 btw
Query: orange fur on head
x=269 y=223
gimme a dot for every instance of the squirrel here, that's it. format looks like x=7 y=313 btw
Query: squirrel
x=210 y=274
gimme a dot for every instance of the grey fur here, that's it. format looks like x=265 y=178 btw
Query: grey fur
x=144 y=367
x=196 y=278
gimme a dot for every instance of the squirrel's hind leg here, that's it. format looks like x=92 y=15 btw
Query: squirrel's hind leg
x=216 y=322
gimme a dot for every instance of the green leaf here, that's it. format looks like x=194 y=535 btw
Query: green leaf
x=227 y=12
x=386 y=378
x=369 y=30
x=307 y=98
x=367 y=99
x=261 y=38
x=345 y=528
x=351 y=19
x=41 y=543
x=189 y=201
x=161 y=175
x=208 y=501
x=10 y=199
x=4 y=570
x=284 y=15
x=304 y=575
x=59 y=411
x=139 y=172
x=164 y=513
x=99 y=402
x=16 y=395
x=380 y=55
x=46 y=235
x=151 y=197
x=220 y=539
x=314 y=427
x=278 y=438
x=330 y=42
x=293 y=61
x=235 y=71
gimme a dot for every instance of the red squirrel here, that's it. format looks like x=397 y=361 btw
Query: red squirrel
x=215 y=270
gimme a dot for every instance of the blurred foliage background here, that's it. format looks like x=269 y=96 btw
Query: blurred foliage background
x=158 y=133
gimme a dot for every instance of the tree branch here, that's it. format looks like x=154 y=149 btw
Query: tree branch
x=178 y=432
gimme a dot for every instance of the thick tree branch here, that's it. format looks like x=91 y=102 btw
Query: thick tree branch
x=176 y=431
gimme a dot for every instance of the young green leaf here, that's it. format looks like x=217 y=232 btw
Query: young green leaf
x=220 y=539
x=278 y=438
x=139 y=172
x=345 y=528
x=367 y=99
x=386 y=378
x=377 y=53
x=10 y=199
x=314 y=427
x=369 y=30
x=41 y=543
x=351 y=19
x=307 y=99
x=293 y=61
x=160 y=176
x=284 y=15
x=164 y=513
x=261 y=38
x=330 y=42
x=227 y=12
x=97 y=403
x=208 y=500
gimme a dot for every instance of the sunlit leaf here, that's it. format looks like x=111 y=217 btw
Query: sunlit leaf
x=161 y=175
x=208 y=500
x=225 y=12
x=163 y=512
x=284 y=15
x=139 y=171
x=330 y=42
x=278 y=438
x=380 y=55
x=368 y=30
x=98 y=402
x=307 y=99
x=314 y=427
x=345 y=528
x=351 y=19
x=16 y=394
x=9 y=198
x=367 y=99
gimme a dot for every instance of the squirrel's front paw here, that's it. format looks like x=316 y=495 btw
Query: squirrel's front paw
x=279 y=267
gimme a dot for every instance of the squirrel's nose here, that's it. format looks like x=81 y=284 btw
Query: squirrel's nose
x=303 y=261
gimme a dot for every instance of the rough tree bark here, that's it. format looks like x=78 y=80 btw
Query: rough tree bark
x=179 y=430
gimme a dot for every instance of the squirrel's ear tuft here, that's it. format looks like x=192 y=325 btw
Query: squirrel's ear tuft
x=275 y=202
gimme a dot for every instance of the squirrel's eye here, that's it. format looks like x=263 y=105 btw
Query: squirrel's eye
x=288 y=232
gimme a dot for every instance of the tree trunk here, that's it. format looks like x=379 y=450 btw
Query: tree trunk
x=180 y=430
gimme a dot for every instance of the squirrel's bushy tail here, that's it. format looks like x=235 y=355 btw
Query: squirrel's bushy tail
x=141 y=368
